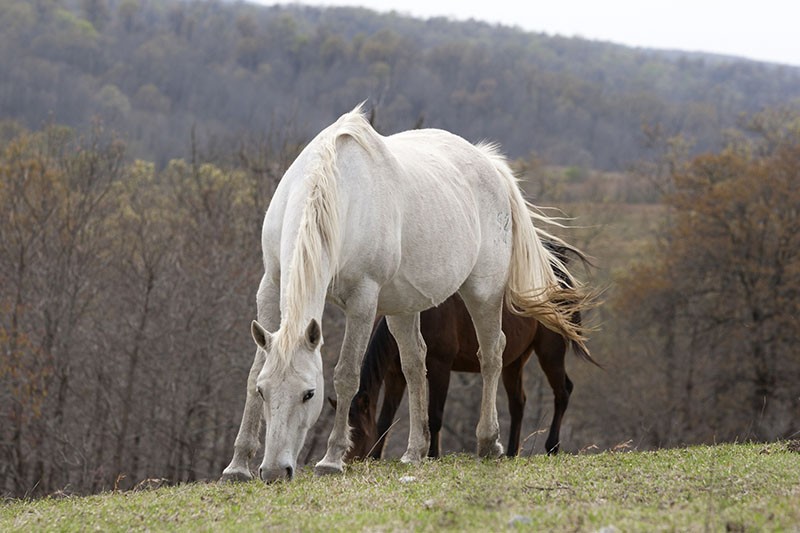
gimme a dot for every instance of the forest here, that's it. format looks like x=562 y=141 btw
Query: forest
x=154 y=69
x=141 y=142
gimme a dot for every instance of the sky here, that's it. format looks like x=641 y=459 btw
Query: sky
x=764 y=30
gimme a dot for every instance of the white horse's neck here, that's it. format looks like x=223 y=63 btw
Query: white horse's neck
x=314 y=259
x=311 y=266
x=305 y=301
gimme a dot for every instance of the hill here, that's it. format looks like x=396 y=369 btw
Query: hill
x=730 y=487
x=155 y=70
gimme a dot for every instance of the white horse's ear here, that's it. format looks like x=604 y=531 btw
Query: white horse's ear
x=313 y=334
x=262 y=337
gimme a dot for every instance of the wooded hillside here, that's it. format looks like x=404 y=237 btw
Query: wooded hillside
x=154 y=69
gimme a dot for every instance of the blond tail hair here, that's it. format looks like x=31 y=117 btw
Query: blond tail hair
x=533 y=289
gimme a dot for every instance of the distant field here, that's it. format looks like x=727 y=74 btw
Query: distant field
x=752 y=487
x=617 y=234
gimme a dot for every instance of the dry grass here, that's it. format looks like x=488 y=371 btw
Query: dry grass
x=734 y=487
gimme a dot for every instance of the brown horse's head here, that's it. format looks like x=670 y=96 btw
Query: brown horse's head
x=363 y=429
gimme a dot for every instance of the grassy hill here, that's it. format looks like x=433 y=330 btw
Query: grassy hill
x=728 y=487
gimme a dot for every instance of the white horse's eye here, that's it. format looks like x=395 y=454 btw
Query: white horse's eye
x=308 y=395
x=260 y=393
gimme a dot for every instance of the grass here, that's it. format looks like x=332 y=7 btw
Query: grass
x=735 y=487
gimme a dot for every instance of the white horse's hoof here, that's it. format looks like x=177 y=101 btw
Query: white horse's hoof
x=235 y=475
x=411 y=458
x=492 y=448
x=328 y=469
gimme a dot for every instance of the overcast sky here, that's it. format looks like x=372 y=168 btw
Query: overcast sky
x=766 y=30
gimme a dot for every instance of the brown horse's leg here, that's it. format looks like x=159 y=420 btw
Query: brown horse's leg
x=512 y=381
x=438 y=383
x=394 y=386
x=551 y=348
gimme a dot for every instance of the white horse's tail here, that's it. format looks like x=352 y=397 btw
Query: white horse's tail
x=533 y=289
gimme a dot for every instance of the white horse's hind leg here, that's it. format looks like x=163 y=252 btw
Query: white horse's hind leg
x=487 y=319
x=405 y=330
x=247 y=443
x=360 y=315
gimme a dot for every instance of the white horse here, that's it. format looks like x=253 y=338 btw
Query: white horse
x=388 y=225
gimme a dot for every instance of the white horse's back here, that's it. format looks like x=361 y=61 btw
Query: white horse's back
x=447 y=215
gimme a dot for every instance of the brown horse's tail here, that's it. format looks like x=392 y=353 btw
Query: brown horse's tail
x=579 y=348
x=533 y=289
x=560 y=249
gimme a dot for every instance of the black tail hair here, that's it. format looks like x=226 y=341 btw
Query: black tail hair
x=560 y=250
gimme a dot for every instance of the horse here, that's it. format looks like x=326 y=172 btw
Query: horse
x=390 y=225
x=452 y=347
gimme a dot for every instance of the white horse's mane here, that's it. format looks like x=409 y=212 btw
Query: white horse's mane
x=319 y=230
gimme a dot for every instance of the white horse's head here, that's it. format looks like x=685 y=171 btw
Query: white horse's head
x=291 y=387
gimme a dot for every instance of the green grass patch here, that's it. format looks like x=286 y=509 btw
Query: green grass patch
x=739 y=487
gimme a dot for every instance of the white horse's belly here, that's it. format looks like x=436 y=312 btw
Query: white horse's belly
x=400 y=297
x=426 y=282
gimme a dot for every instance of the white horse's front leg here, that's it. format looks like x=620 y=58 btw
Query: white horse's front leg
x=360 y=316
x=247 y=442
x=405 y=330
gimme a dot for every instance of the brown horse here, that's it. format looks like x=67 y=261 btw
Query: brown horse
x=453 y=346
